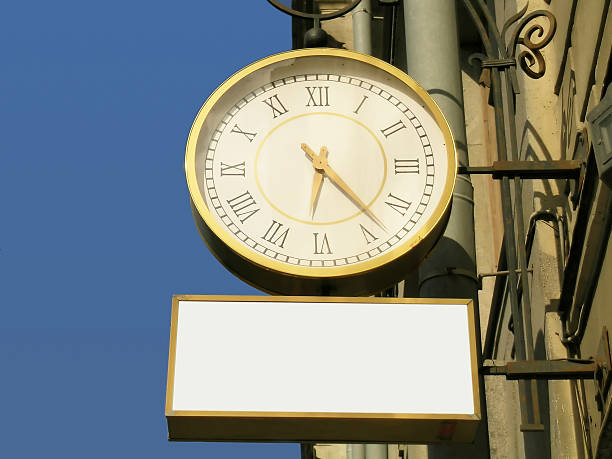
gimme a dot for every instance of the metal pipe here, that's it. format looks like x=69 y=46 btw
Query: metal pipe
x=355 y=451
x=393 y=34
x=540 y=215
x=376 y=451
x=432 y=58
x=362 y=42
x=435 y=65
x=362 y=27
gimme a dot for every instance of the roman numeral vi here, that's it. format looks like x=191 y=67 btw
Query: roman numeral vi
x=321 y=246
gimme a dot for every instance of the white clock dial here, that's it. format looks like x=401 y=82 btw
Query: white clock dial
x=320 y=166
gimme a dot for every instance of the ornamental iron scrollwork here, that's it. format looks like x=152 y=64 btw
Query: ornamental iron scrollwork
x=527 y=34
x=534 y=39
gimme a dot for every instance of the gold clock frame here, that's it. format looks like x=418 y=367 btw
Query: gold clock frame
x=273 y=276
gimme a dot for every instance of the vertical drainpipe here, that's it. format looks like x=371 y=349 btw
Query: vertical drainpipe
x=362 y=27
x=362 y=39
x=432 y=56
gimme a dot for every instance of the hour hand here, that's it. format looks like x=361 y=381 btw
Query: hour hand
x=320 y=163
x=308 y=151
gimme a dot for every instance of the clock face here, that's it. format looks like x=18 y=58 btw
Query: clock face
x=320 y=164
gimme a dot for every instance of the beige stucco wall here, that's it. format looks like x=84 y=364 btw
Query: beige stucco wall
x=550 y=118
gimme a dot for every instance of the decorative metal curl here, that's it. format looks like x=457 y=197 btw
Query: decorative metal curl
x=534 y=39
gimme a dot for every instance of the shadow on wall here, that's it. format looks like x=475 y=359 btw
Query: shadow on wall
x=535 y=149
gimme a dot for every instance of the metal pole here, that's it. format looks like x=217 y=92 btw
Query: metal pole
x=432 y=56
x=355 y=451
x=362 y=42
x=376 y=451
x=362 y=28
x=432 y=49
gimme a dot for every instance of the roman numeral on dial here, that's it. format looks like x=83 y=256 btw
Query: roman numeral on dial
x=249 y=135
x=276 y=105
x=397 y=204
x=393 y=128
x=369 y=237
x=406 y=166
x=360 y=104
x=275 y=235
x=233 y=169
x=243 y=206
x=318 y=96
x=321 y=244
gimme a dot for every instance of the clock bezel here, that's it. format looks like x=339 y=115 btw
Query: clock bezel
x=277 y=277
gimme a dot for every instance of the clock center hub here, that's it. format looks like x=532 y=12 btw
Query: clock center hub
x=346 y=154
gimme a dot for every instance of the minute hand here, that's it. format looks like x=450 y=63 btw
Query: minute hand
x=334 y=177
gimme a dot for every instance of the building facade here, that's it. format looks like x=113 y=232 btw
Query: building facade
x=552 y=111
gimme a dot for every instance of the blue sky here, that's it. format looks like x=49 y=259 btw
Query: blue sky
x=96 y=101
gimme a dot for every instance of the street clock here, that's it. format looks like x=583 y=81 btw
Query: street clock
x=320 y=172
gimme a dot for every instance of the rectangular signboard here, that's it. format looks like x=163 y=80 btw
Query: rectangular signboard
x=270 y=368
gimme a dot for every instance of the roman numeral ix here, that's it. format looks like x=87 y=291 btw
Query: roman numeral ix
x=244 y=206
x=318 y=96
x=276 y=105
x=233 y=169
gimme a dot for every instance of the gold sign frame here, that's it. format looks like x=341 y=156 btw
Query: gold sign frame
x=326 y=427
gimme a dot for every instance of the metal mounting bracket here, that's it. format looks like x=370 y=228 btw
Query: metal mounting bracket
x=497 y=273
x=544 y=369
x=560 y=169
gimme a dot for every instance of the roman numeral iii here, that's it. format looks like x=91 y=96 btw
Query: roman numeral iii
x=318 y=96
x=276 y=105
x=244 y=206
x=406 y=166
x=275 y=235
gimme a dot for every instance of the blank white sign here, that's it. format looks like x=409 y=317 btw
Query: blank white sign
x=322 y=357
